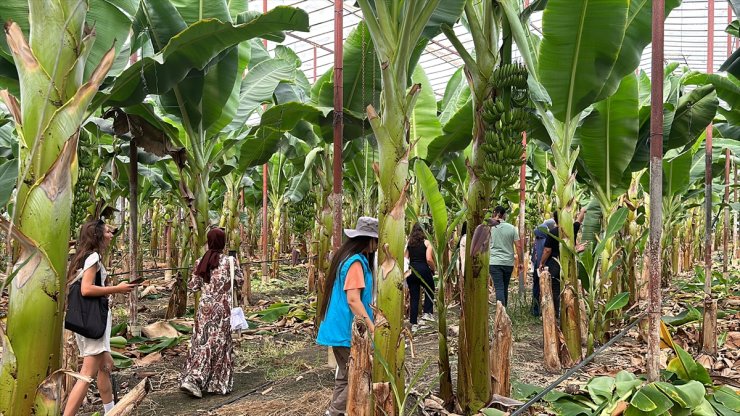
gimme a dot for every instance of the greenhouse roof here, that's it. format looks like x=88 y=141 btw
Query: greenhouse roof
x=685 y=38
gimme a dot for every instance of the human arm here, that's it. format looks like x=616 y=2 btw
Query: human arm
x=88 y=287
x=545 y=256
x=430 y=255
x=195 y=281
x=354 y=295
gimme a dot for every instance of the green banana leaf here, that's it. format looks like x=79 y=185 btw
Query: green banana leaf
x=111 y=20
x=434 y=198
x=8 y=179
x=608 y=137
x=456 y=134
x=193 y=49
x=300 y=185
x=424 y=124
x=457 y=94
x=676 y=174
x=574 y=63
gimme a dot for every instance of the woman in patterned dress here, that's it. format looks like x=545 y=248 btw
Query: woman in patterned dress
x=210 y=360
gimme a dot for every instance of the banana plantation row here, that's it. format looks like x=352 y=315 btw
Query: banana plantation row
x=176 y=106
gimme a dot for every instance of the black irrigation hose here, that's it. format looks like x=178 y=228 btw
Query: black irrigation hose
x=580 y=365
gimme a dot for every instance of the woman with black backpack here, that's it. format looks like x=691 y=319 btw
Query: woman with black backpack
x=87 y=268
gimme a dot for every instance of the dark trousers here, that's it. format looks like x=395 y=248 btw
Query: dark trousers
x=338 y=405
x=421 y=277
x=501 y=276
x=554 y=268
x=535 y=291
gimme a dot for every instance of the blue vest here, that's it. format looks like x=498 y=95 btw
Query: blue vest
x=336 y=328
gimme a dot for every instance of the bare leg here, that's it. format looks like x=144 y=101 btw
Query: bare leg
x=90 y=367
x=104 y=384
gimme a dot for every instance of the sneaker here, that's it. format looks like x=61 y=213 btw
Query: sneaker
x=190 y=389
x=428 y=317
x=414 y=327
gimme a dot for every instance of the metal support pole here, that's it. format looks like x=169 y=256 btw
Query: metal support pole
x=314 y=64
x=709 y=341
x=265 y=254
x=338 y=119
x=726 y=228
x=522 y=216
x=133 y=238
x=656 y=191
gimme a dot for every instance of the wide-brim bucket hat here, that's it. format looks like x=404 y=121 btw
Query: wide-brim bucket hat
x=366 y=227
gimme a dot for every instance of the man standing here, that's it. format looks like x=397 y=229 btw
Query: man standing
x=540 y=235
x=551 y=256
x=504 y=237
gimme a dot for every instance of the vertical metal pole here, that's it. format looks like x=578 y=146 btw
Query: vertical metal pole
x=133 y=238
x=726 y=228
x=708 y=165
x=729 y=38
x=709 y=341
x=314 y=64
x=265 y=254
x=338 y=119
x=522 y=216
x=735 y=218
x=522 y=205
x=656 y=191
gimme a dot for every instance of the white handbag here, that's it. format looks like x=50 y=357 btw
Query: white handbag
x=238 y=320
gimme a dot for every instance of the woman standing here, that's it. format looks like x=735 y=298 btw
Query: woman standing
x=421 y=261
x=348 y=292
x=210 y=362
x=95 y=236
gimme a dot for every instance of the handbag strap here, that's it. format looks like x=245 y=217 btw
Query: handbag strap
x=231 y=273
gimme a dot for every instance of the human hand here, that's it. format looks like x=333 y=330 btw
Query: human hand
x=124 y=287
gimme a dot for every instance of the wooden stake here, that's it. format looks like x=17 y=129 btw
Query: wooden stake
x=709 y=329
x=132 y=399
x=360 y=372
x=549 y=326
x=501 y=353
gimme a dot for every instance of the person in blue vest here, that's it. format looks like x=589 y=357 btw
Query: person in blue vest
x=348 y=293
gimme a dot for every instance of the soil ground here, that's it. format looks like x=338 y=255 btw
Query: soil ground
x=281 y=371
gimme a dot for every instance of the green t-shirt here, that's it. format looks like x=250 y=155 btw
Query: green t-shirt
x=501 y=252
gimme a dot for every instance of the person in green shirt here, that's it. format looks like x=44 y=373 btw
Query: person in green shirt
x=504 y=237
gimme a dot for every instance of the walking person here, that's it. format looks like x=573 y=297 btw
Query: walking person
x=87 y=266
x=348 y=293
x=551 y=255
x=504 y=237
x=210 y=364
x=540 y=235
x=421 y=262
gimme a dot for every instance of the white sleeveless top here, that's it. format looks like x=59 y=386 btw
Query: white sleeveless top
x=90 y=346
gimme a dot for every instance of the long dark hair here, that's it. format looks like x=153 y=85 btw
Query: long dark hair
x=417 y=236
x=91 y=240
x=350 y=247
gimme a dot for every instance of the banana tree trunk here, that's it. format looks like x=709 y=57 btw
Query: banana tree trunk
x=565 y=183
x=48 y=127
x=474 y=379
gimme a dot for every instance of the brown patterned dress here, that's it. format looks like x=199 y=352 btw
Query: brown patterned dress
x=210 y=364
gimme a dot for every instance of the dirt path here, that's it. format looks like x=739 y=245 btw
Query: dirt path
x=283 y=371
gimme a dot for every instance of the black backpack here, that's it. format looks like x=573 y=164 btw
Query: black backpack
x=86 y=315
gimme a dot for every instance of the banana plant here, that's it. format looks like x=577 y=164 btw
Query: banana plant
x=50 y=47
x=498 y=91
x=443 y=231
x=399 y=31
x=570 y=70
x=209 y=97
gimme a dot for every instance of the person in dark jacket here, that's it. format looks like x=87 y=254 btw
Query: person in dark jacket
x=540 y=235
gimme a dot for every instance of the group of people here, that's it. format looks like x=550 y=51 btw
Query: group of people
x=348 y=290
x=210 y=361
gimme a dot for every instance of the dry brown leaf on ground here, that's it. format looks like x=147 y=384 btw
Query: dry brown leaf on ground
x=149 y=359
x=160 y=329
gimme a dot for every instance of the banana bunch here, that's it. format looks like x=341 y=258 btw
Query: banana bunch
x=505 y=122
x=85 y=178
x=510 y=75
